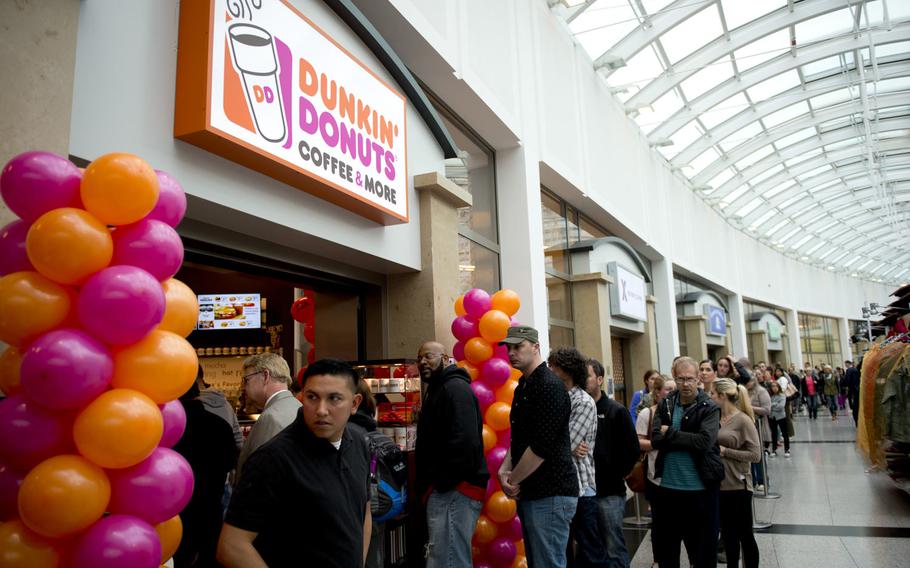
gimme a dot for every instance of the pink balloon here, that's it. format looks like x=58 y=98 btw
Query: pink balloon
x=30 y=434
x=13 y=257
x=485 y=396
x=513 y=322
x=118 y=541
x=512 y=529
x=33 y=183
x=458 y=351
x=482 y=564
x=174 y=423
x=66 y=369
x=495 y=372
x=476 y=303
x=501 y=352
x=153 y=246
x=155 y=489
x=121 y=304
x=171 y=205
x=10 y=480
x=502 y=552
x=495 y=457
x=493 y=484
x=464 y=328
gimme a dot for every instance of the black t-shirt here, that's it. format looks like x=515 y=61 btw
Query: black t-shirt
x=540 y=421
x=305 y=499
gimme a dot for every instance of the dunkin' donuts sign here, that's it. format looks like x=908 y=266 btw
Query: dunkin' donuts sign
x=267 y=88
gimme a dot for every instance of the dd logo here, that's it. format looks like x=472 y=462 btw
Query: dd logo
x=263 y=94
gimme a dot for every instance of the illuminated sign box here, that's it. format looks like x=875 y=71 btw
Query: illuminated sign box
x=266 y=88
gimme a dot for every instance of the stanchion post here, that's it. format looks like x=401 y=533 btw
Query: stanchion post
x=636 y=521
x=766 y=494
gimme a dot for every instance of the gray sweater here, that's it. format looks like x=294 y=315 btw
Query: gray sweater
x=739 y=438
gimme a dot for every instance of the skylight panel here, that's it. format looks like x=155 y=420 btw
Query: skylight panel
x=893 y=85
x=814 y=247
x=708 y=78
x=762 y=49
x=823 y=186
x=824 y=26
x=643 y=68
x=834 y=97
x=691 y=34
x=776 y=84
x=766 y=216
x=603 y=25
x=873 y=13
x=778 y=189
x=663 y=108
x=785 y=114
x=733 y=196
x=737 y=12
x=766 y=174
x=795 y=137
x=724 y=110
x=791 y=233
x=813 y=172
x=685 y=136
x=795 y=201
x=895 y=48
x=702 y=161
x=898 y=10
x=721 y=178
x=843 y=144
x=776 y=227
x=755 y=156
x=742 y=135
x=801 y=241
x=749 y=207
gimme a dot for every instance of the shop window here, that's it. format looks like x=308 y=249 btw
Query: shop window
x=555 y=238
x=478 y=266
x=820 y=340
x=559 y=298
x=561 y=336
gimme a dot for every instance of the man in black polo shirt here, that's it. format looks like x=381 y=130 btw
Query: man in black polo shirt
x=304 y=499
x=543 y=478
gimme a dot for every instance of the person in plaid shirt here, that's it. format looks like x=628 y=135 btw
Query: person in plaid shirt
x=572 y=368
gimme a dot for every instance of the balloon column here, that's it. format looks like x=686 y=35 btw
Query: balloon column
x=483 y=322
x=95 y=324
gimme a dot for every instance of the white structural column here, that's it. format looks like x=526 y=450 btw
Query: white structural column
x=737 y=316
x=665 y=313
x=845 y=351
x=793 y=336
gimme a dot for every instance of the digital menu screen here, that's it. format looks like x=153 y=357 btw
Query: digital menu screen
x=229 y=311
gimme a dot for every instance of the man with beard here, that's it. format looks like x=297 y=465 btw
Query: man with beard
x=451 y=469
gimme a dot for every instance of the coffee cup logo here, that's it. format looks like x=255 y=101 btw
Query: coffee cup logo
x=253 y=52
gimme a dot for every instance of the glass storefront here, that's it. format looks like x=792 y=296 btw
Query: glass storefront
x=819 y=337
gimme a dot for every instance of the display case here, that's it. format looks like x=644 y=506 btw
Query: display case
x=396 y=385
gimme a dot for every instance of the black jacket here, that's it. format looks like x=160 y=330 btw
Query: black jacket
x=851 y=381
x=449 y=446
x=697 y=435
x=616 y=449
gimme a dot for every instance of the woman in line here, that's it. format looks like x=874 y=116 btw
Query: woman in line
x=706 y=375
x=663 y=386
x=778 y=419
x=832 y=388
x=640 y=396
x=739 y=447
x=728 y=368
x=811 y=393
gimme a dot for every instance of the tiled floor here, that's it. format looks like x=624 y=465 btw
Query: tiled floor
x=831 y=513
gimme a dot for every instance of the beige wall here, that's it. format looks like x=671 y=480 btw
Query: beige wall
x=37 y=63
x=591 y=300
x=696 y=342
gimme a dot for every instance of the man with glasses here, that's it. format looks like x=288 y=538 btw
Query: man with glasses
x=266 y=378
x=688 y=462
x=450 y=467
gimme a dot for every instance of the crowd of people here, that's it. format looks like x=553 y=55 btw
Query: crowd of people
x=696 y=435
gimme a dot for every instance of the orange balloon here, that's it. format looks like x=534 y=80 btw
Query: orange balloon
x=485 y=530
x=506 y=301
x=180 y=308
x=118 y=429
x=68 y=245
x=477 y=350
x=30 y=305
x=63 y=495
x=162 y=365
x=494 y=325
x=520 y=549
x=500 y=508
x=119 y=188
x=520 y=560
x=459 y=306
x=472 y=369
x=22 y=548
x=497 y=417
x=489 y=438
x=10 y=361
x=514 y=375
x=169 y=533
x=506 y=392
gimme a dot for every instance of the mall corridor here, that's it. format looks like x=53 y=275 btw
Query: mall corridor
x=831 y=513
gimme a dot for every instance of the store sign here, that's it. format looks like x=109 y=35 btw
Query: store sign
x=261 y=85
x=628 y=298
x=224 y=374
x=774 y=330
x=717 y=320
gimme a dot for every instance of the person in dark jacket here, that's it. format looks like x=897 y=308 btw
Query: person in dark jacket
x=208 y=445
x=851 y=385
x=689 y=465
x=450 y=466
x=616 y=450
x=364 y=421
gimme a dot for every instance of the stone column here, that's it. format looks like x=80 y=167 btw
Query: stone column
x=665 y=313
x=758 y=339
x=696 y=338
x=737 y=324
x=591 y=294
x=643 y=348
x=793 y=338
x=420 y=304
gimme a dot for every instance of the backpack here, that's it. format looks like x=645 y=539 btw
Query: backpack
x=388 y=477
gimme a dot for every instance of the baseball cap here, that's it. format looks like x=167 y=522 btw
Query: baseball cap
x=519 y=333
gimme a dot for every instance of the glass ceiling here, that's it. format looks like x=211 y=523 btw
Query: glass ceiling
x=790 y=118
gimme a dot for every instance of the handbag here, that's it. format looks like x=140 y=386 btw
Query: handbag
x=636 y=478
x=790 y=391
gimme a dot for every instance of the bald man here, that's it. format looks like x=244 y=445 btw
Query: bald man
x=451 y=470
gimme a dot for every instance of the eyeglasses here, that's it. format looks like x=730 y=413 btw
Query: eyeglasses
x=246 y=378
x=428 y=356
x=686 y=379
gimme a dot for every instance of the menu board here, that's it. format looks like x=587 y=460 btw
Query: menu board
x=229 y=311
x=224 y=374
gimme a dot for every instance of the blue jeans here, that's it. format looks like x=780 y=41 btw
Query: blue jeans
x=545 y=527
x=588 y=531
x=812 y=402
x=451 y=519
x=612 y=508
